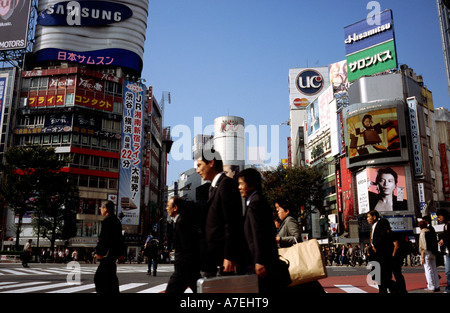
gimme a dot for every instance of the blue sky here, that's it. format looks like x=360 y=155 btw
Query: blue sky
x=232 y=57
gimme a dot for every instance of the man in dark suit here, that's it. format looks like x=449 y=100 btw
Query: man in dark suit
x=444 y=243
x=382 y=248
x=110 y=247
x=259 y=230
x=187 y=244
x=224 y=235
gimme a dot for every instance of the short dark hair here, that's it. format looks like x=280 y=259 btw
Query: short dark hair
x=109 y=205
x=443 y=212
x=252 y=177
x=208 y=155
x=374 y=213
x=179 y=202
x=386 y=170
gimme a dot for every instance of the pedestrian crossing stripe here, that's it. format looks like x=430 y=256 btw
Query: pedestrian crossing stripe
x=83 y=270
x=47 y=287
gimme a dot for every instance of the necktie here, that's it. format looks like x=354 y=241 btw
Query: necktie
x=211 y=191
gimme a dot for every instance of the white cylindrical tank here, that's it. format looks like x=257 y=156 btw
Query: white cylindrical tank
x=229 y=141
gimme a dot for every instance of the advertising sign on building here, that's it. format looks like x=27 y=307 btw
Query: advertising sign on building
x=305 y=85
x=363 y=194
x=445 y=170
x=3 y=81
x=415 y=136
x=387 y=188
x=370 y=48
x=382 y=189
x=130 y=171
x=92 y=32
x=14 y=19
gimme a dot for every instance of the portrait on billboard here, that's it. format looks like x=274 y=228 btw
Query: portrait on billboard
x=313 y=116
x=387 y=189
x=338 y=76
x=373 y=134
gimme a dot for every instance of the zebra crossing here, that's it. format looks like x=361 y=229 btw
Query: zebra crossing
x=41 y=284
x=52 y=287
x=65 y=269
x=66 y=288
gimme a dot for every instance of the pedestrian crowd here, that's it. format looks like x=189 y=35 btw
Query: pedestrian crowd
x=236 y=233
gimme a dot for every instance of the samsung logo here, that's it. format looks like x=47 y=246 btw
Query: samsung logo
x=84 y=13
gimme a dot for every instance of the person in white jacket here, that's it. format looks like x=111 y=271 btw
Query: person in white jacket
x=428 y=258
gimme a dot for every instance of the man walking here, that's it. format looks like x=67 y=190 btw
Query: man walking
x=224 y=235
x=110 y=247
x=444 y=243
x=382 y=247
x=186 y=244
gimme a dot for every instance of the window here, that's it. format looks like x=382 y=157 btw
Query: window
x=43 y=83
x=83 y=181
x=65 y=138
x=84 y=140
x=102 y=183
x=112 y=183
x=55 y=138
x=93 y=182
x=34 y=83
x=70 y=98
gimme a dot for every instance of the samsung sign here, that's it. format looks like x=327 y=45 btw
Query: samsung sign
x=84 y=13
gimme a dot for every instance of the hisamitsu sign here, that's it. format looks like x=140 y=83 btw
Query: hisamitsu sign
x=370 y=48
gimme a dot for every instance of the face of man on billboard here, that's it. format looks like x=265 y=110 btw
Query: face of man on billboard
x=387 y=184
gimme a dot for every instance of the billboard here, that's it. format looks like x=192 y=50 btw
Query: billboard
x=3 y=83
x=382 y=189
x=130 y=171
x=305 y=85
x=14 y=19
x=105 y=33
x=338 y=76
x=370 y=47
x=365 y=34
x=375 y=133
x=372 y=61
x=415 y=137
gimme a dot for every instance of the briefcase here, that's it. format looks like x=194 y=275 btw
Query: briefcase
x=229 y=284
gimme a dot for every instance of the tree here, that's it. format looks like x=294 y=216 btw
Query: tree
x=33 y=182
x=300 y=187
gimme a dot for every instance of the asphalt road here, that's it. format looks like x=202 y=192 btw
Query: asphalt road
x=133 y=278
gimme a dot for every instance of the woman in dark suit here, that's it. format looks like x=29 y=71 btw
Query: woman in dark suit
x=289 y=233
x=259 y=231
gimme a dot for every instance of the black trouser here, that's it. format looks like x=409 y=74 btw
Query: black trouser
x=182 y=278
x=105 y=278
x=399 y=278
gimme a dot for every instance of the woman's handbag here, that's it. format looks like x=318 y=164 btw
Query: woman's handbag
x=306 y=262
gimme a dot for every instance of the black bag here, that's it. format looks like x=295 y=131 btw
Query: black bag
x=281 y=275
